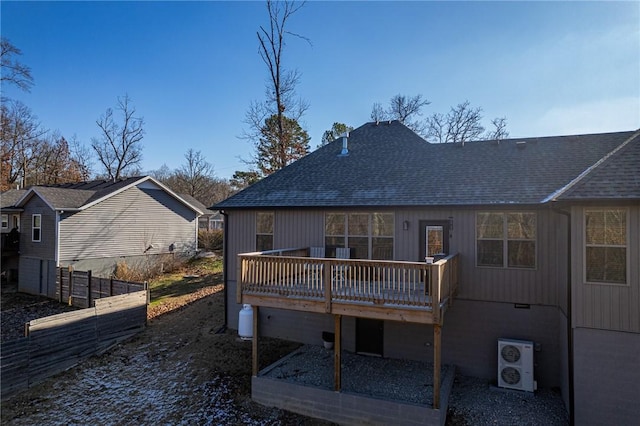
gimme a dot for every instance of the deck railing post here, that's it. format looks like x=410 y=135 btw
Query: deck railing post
x=326 y=278
x=437 y=334
x=239 y=278
x=337 y=352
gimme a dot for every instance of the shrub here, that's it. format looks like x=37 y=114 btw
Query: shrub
x=210 y=240
x=145 y=269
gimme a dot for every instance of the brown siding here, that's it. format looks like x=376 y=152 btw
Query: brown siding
x=606 y=306
x=544 y=285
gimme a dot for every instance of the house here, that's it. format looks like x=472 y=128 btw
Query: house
x=94 y=225
x=10 y=235
x=532 y=239
x=210 y=219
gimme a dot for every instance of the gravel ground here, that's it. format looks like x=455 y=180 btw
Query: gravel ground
x=181 y=371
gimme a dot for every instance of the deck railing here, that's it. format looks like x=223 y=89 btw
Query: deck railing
x=290 y=273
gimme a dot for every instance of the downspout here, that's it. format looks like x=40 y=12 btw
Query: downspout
x=569 y=319
x=225 y=257
x=56 y=255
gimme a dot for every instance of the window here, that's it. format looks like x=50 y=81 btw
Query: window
x=264 y=231
x=606 y=246
x=506 y=240
x=36 y=228
x=435 y=240
x=368 y=235
x=5 y=221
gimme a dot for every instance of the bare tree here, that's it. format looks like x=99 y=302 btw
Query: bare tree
x=462 y=123
x=195 y=176
x=499 y=131
x=20 y=134
x=81 y=155
x=119 y=147
x=377 y=112
x=281 y=100
x=13 y=71
x=405 y=109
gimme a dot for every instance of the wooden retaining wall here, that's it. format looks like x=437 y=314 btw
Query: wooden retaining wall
x=58 y=342
x=80 y=288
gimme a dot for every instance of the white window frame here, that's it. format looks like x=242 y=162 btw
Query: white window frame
x=625 y=246
x=5 y=221
x=34 y=227
x=505 y=240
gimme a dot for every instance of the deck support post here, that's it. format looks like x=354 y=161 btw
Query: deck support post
x=254 y=342
x=437 y=335
x=337 y=352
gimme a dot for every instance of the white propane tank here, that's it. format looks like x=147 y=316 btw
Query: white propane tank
x=245 y=322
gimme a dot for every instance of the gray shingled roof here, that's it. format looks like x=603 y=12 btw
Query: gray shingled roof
x=9 y=198
x=616 y=177
x=389 y=165
x=76 y=195
x=194 y=202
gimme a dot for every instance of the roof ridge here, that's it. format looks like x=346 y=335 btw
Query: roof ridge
x=554 y=196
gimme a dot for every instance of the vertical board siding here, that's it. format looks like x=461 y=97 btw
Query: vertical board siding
x=544 y=285
x=606 y=306
x=134 y=222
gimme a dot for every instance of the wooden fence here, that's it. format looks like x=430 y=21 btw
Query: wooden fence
x=81 y=288
x=53 y=344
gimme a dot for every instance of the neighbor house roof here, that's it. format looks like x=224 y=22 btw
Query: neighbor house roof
x=9 y=198
x=389 y=165
x=82 y=195
x=198 y=204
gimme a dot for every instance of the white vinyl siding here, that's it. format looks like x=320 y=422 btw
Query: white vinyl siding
x=133 y=223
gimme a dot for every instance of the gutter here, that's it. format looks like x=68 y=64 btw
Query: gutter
x=569 y=319
x=225 y=257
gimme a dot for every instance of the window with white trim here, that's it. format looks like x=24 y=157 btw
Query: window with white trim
x=5 y=221
x=36 y=228
x=368 y=235
x=264 y=231
x=506 y=239
x=605 y=249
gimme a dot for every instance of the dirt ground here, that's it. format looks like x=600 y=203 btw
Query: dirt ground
x=181 y=370
x=185 y=369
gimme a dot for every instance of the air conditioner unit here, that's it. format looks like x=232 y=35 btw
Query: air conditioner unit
x=515 y=364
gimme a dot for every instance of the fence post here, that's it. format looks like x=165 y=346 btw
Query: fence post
x=60 y=285
x=70 y=285
x=110 y=286
x=89 y=289
x=146 y=287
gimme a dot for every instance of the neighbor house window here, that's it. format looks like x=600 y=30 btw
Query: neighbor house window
x=36 y=228
x=5 y=221
x=606 y=246
x=368 y=235
x=506 y=240
x=264 y=231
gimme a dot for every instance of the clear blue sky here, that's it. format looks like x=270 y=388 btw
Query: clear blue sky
x=192 y=68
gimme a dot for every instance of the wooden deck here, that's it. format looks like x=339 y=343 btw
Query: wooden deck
x=389 y=290
x=379 y=289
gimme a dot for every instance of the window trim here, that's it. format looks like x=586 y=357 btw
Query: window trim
x=5 y=221
x=34 y=227
x=273 y=225
x=626 y=246
x=505 y=240
x=370 y=234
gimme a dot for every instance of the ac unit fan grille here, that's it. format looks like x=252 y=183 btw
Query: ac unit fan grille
x=510 y=353
x=510 y=375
